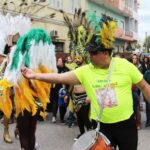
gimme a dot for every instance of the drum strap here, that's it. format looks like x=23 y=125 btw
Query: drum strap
x=104 y=97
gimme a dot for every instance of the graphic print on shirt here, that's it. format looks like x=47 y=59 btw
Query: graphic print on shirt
x=109 y=95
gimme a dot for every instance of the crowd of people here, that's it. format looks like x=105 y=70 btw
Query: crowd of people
x=81 y=104
x=94 y=86
x=74 y=100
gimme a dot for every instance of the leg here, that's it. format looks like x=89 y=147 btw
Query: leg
x=70 y=119
x=16 y=131
x=6 y=134
x=80 y=122
x=85 y=116
x=122 y=134
x=147 y=113
x=138 y=118
x=55 y=105
x=94 y=124
x=62 y=111
x=128 y=139
x=23 y=123
x=32 y=138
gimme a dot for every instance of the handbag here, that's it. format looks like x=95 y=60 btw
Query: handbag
x=93 y=139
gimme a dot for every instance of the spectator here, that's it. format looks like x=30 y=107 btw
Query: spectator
x=55 y=88
x=136 y=94
x=147 y=78
x=63 y=100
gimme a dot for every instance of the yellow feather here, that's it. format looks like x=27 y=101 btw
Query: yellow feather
x=107 y=33
x=25 y=95
x=5 y=101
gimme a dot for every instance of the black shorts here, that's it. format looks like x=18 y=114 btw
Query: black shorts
x=122 y=134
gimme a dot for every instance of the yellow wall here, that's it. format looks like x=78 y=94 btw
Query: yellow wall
x=40 y=16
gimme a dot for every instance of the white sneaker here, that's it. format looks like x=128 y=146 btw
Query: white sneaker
x=36 y=146
x=53 y=119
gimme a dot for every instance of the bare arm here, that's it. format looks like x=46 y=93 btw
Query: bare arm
x=66 y=78
x=145 y=88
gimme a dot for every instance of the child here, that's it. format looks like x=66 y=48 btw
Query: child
x=63 y=99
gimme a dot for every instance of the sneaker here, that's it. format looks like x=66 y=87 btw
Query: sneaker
x=36 y=146
x=70 y=125
x=139 y=127
x=75 y=139
x=53 y=119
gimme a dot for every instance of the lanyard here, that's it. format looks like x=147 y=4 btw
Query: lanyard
x=104 y=97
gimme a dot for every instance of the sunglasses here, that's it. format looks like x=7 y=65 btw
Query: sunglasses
x=93 y=52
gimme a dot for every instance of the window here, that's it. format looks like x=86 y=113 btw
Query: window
x=57 y=4
x=59 y=46
x=122 y=24
x=73 y=5
x=116 y=49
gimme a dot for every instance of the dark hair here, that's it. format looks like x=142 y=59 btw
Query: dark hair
x=94 y=46
x=7 y=49
x=62 y=58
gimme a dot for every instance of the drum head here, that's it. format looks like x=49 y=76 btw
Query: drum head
x=85 y=141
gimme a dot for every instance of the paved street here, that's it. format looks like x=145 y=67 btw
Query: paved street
x=59 y=137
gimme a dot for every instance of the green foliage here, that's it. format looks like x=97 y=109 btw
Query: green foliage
x=147 y=43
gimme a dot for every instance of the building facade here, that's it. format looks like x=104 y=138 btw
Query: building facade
x=40 y=11
x=125 y=13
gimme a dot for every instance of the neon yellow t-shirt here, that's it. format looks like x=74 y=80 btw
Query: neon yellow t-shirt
x=124 y=74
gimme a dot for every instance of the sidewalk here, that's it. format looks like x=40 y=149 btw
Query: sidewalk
x=59 y=137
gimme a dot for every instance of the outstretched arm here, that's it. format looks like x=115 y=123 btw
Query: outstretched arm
x=145 y=88
x=66 y=78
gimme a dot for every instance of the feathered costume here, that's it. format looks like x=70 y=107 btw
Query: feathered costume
x=84 y=26
x=36 y=51
x=10 y=25
x=89 y=31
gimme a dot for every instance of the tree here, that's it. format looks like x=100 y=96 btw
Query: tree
x=138 y=46
x=147 y=43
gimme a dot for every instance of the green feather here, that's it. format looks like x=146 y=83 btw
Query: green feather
x=38 y=35
x=93 y=20
x=20 y=46
x=24 y=44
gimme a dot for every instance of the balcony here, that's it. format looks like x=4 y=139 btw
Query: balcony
x=135 y=35
x=135 y=15
x=107 y=3
x=127 y=11
x=125 y=35
x=129 y=33
x=115 y=5
x=119 y=33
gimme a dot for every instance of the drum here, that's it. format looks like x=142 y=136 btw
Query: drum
x=92 y=140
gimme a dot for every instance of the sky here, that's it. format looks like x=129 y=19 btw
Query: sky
x=144 y=19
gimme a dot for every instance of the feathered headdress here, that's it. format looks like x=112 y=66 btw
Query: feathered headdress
x=36 y=51
x=87 y=29
x=79 y=33
x=104 y=28
x=10 y=26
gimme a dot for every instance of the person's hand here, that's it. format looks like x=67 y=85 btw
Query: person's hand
x=87 y=101
x=28 y=73
x=66 y=99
